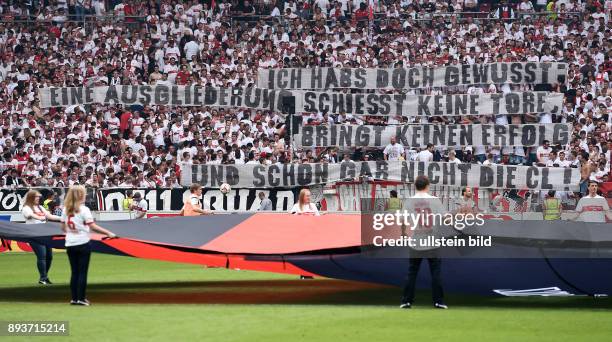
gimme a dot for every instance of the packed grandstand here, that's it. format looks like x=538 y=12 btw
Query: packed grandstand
x=221 y=44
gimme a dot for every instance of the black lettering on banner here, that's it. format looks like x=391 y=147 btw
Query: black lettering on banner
x=448 y=173
x=232 y=175
x=76 y=95
x=465 y=170
x=486 y=176
x=382 y=170
x=480 y=72
x=360 y=78
x=372 y=105
x=499 y=73
x=433 y=170
x=500 y=176
x=338 y=102
x=282 y=83
x=474 y=105
x=347 y=170
x=407 y=172
x=529 y=135
x=53 y=95
x=460 y=105
x=89 y=92
x=512 y=103
x=545 y=180
x=271 y=79
x=428 y=77
x=307 y=139
x=528 y=102
x=222 y=96
x=382 y=78
x=345 y=78
x=513 y=135
x=438 y=105
x=541 y=133
x=385 y=105
x=530 y=75
x=499 y=139
x=296 y=78
x=466 y=135
x=516 y=72
x=259 y=179
x=545 y=67
x=398 y=80
x=486 y=135
x=423 y=105
x=345 y=136
x=210 y=95
x=322 y=134
x=377 y=135
x=316 y=78
x=321 y=173
x=323 y=99
x=510 y=176
x=309 y=101
x=416 y=134
x=133 y=94
x=567 y=176
x=235 y=99
x=362 y=136
x=401 y=134
x=451 y=76
x=145 y=94
x=65 y=95
x=111 y=95
x=273 y=176
x=560 y=134
x=496 y=98
x=359 y=104
x=465 y=74
x=438 y=135
x=288 y=174
x=413 y=82
x=331 y=81
x=175 y=97
x=217 y=175
x=251 y=101
x=199 y=174
x=399 y=104
x=531 y=174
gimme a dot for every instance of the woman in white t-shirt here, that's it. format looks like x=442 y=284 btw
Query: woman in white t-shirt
x=34 y=213
x=303 y=205
x=77 y=222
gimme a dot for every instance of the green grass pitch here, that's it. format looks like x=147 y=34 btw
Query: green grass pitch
x=144 y=300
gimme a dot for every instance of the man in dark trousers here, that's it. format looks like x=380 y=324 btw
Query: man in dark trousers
x=422 y=192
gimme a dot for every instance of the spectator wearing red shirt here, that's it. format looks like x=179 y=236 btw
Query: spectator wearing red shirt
x=182 y=77
x=125 y=122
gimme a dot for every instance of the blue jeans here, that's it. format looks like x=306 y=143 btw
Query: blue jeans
x=44 y=257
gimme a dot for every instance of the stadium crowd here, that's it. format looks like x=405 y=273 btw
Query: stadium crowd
x=65 y=43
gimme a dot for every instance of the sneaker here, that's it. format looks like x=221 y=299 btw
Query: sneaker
x=83 y=302
x=73 y=302
x=440 y=306
x=405 y=306
x=43 y=282
x=48 y=281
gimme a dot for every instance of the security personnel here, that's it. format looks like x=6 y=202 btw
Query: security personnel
x=552 y=207
x=47 y=202
x=126 y=204
x=394 y=203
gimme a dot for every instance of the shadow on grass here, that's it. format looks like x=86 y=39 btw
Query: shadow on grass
x=289 y=292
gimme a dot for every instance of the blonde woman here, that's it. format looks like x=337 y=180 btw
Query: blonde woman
x=34 y=213
x=303 y=205
x=77 y=222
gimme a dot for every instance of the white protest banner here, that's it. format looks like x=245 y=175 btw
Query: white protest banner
x=428 y=105
x=412 y=78
x=170 y=95
x=307 y=101
x=439 y=173
x=419 y=135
